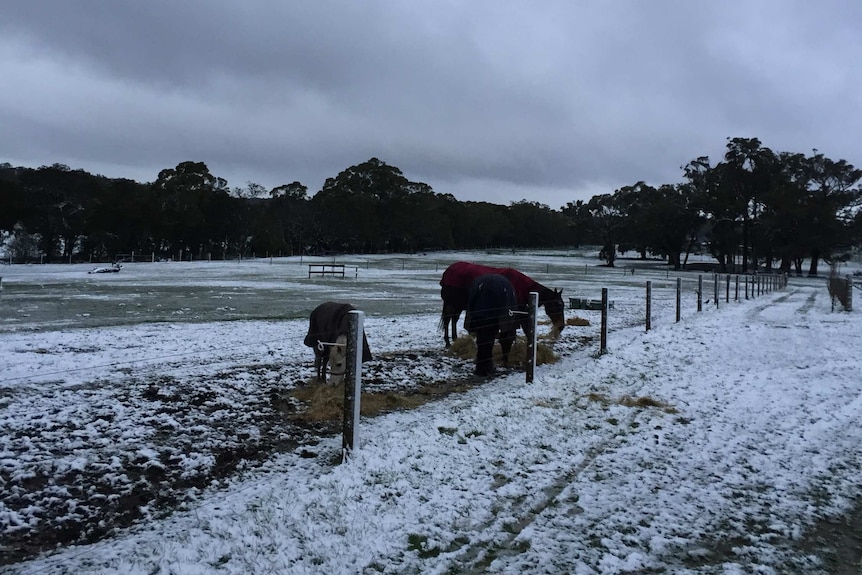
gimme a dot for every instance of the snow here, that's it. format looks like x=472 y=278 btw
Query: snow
x=711 y=445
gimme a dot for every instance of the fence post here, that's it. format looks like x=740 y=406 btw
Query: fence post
x=746 y=287
x=648 y=305
x=736 y=289
x=699 y=292
x=603 y=339
x=715 y=288
x=352 y=383
x=849 y=288
x=678 y=297
x=727 y=290
x=532 y=318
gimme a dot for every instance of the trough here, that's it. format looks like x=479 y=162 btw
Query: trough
x=591 y=304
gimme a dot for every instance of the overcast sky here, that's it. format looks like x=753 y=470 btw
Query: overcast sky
x=499 y=101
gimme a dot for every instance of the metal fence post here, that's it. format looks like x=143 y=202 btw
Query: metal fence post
x=700 y=292
x=531 y=341
x=648 y=305
x=678 y=297
x=352 y=383
x=603 y=339
x=715 y=288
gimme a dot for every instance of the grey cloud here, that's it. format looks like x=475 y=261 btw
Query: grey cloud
x=551 y=100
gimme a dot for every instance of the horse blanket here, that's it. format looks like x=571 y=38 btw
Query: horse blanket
x=489 y=303
x=327 y=322
x=463 y=274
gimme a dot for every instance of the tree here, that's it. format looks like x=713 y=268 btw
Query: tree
x=607 y=221
x=293 y=217
x=746 y=176
x=831 y=196
x=670 y=221
x=251 y=190
x=579 y=223
x=191 y=203
x=536 y=225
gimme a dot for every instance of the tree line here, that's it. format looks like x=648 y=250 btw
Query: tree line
x=755 y=208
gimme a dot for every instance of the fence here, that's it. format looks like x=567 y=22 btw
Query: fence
x=334 y=270
x=755 y=285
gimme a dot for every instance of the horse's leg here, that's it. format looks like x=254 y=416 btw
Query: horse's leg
x=455 y=317
x=527 y=328
x=484 y=350
x=506 y=340
x=444 y=323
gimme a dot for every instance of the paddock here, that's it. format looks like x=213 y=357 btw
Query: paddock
x=140 y=365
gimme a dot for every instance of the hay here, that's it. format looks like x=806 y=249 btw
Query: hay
x=465 y=348
x=325 y=402
x=577 y=321
x=643 y=402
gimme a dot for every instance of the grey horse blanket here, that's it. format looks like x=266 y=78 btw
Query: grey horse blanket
x=327 y=322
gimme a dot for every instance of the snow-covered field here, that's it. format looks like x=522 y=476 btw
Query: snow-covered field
x=713 y=445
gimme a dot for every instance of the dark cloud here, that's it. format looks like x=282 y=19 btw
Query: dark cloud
x=497 y=101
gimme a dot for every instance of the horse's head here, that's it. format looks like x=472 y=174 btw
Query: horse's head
x=555 y=308
x=338 y=360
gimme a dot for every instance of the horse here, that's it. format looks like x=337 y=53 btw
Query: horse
x=327 y=336
x=456 y=282
x=490 y=302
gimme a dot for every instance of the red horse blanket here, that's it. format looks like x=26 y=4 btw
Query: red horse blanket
x=462 y=274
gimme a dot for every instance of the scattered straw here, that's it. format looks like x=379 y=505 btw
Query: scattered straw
x=465 y=348
x=325 y=402
x=644 y=402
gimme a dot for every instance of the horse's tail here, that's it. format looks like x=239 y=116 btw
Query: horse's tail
x=444 y=314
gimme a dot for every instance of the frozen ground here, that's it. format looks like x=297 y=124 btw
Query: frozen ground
x=137 y=411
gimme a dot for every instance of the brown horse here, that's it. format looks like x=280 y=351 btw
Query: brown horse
x=458 y=277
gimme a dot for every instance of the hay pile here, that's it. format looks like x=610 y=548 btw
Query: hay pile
x=465 y=348
x=325 y=402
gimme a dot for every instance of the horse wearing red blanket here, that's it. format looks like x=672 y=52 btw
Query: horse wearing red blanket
x=455 y=286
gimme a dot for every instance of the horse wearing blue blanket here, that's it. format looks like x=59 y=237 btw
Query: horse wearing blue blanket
x=491 y=303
